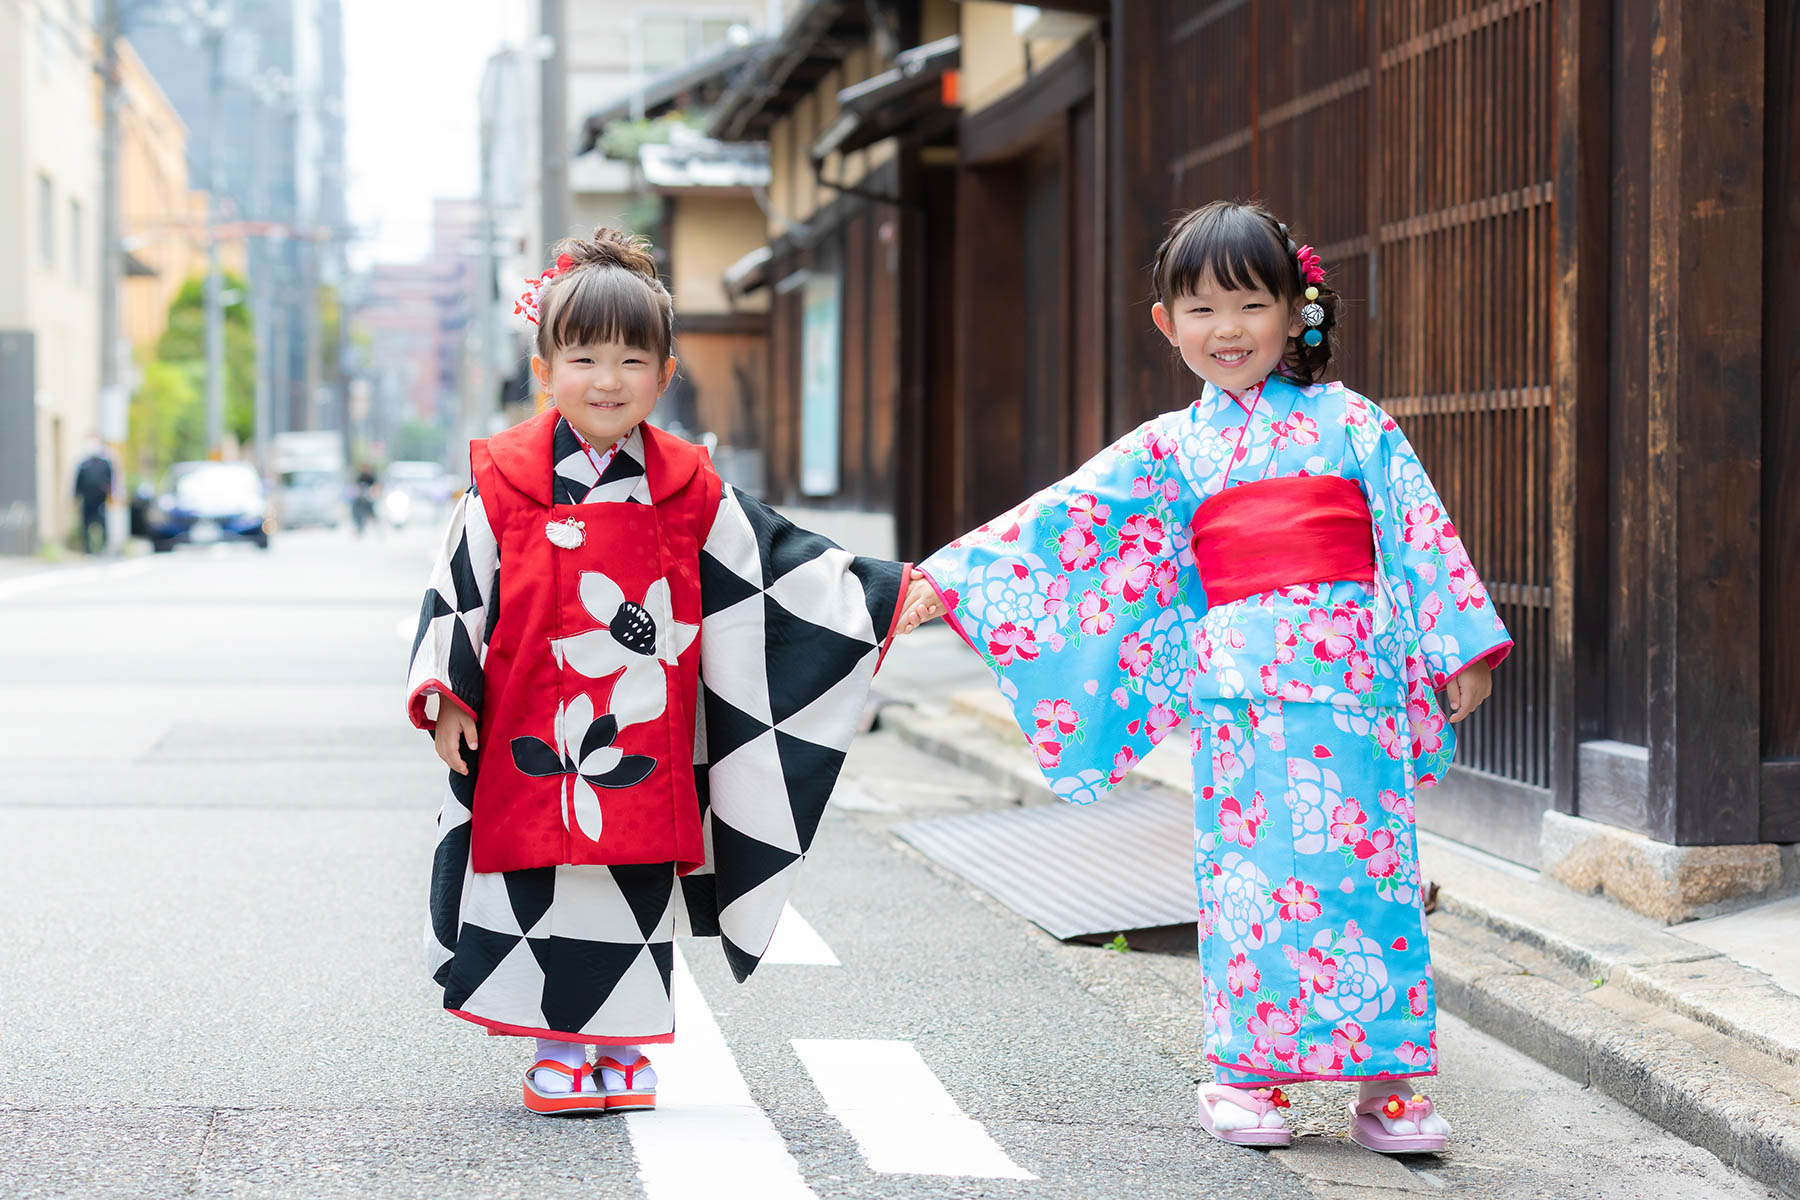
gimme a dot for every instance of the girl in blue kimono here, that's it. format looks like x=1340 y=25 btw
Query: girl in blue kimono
x=1272 y=564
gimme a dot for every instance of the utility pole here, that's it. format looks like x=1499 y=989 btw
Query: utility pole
x=553 y=116
x=109 y=418
x=215 y=283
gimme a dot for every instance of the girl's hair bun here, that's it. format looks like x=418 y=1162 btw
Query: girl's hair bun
x=610 y=248
x=584 y=304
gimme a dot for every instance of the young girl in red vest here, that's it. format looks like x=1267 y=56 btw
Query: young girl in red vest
x=644 y=682
x=1272 y=565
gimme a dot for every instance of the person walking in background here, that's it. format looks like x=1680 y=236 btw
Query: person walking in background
x=362 y=499
x=1272 y=564
x=600 y=588
x=93 y=488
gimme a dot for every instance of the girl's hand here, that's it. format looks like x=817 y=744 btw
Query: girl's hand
x=1467 y=690
x=454 y=727
x=921 y=603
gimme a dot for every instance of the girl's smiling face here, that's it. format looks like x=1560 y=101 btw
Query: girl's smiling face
x=604 y=389
x=1232 y=339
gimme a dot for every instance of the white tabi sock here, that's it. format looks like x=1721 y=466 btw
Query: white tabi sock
x=614 y=1081
x=1381 y=1089
x=569 y=1054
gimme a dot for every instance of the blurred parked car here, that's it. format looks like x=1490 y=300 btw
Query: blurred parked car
x=312 y=481
x=208 y=502
x=413 y=490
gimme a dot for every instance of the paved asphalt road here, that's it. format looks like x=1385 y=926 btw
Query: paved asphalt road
x=215 y=826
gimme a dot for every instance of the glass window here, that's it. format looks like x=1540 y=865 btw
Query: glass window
x=714 y=33
x=46 y=195
x=664 y=42
x=48 y=52
x=77 y=251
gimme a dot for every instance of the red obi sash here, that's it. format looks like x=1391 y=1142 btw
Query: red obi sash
x=1280 y=532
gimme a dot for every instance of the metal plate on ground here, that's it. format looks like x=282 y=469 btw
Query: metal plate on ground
x=1124 y=863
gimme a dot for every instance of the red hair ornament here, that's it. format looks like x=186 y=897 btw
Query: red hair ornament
x=527 y=303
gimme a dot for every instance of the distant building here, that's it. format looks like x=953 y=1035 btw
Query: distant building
x=162 y=217
x=49 y=263
x=281 y=114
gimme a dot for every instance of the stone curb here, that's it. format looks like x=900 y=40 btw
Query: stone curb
x=1745 y=1122
x=1628 y=952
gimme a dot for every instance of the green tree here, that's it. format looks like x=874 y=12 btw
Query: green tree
x=418 y=440
x=167 y=421
x=184 y=343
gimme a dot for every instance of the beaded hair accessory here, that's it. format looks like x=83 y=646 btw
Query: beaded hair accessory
x=527 y=303
x=1312 y=274
x=1312 y=313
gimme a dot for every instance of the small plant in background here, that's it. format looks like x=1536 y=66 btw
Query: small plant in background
x=1118 y=943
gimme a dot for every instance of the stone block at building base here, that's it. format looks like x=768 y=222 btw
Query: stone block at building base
x=1667 y=882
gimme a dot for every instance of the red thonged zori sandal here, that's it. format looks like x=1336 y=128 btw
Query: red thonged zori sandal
x=631 y=1094
x=574 y=1102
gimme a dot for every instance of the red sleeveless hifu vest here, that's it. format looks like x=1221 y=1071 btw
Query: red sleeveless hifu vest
x=549 y=747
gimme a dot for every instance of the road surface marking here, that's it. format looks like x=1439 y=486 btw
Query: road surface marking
x=707 y=1138
x=99 y=573
x=797 y=943
x=902 y=1118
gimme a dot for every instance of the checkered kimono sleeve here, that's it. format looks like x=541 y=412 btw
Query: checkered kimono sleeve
x=792 y=630
x=456 y=618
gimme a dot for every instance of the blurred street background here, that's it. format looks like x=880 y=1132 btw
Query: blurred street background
x=258 y=261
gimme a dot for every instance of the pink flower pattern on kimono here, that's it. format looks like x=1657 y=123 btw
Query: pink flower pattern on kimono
x=1123 y=761
x=1159 y=722
x=1417 y=998
x=1009 y=642
x=1059 y=715
x=1128 y=574
x=1077 y=548
x=1095 y=612
x=1297 y=901
x=1274 y=1028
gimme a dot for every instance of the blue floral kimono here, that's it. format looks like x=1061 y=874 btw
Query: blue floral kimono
x=1313 y=707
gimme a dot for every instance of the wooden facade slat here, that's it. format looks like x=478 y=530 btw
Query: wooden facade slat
x=1426 y=39
x=1520 y=202
x=1781 y=423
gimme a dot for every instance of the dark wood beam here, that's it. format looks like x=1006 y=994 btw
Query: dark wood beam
x=1138 y=164
x=1581 y=253
x=1705 y=420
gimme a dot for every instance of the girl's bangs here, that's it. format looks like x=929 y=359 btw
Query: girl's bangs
x=1234 y=247
x=596 y=307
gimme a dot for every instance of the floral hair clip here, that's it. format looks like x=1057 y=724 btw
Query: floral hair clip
x=527 y=303
x=1310 y=270
x=1312 y=313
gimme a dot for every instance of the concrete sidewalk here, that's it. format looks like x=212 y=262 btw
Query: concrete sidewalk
x=1696 y=1027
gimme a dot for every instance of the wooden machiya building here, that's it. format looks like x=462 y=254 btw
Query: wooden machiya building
x=1567 y=233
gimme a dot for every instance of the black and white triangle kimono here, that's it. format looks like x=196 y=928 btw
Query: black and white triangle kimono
x=792 y=631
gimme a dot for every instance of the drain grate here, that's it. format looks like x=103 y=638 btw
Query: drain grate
x=1123 y=864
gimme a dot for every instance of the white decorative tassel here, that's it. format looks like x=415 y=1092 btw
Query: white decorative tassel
x=566 y=534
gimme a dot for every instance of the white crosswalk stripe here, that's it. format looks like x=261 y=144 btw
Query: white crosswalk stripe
x=797 y=943
x=903 y=1119
x=93 y=578
x=707 y=1137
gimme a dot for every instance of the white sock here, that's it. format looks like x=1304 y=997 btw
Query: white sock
x=569 y=1054
x=1230 y=1116
x=615 y=1080
x=1381 y=1089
